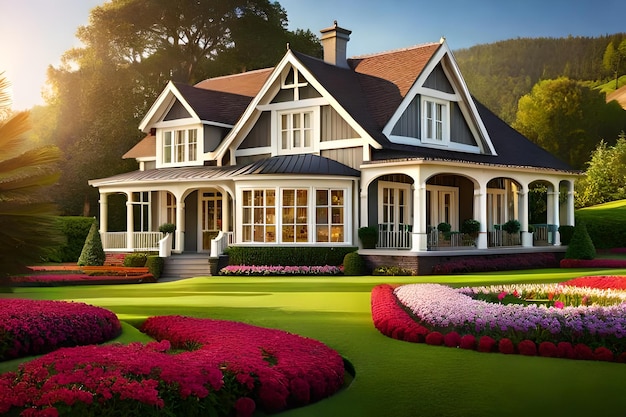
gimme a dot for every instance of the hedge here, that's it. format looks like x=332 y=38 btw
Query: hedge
x=288 y=256
x=75 y=229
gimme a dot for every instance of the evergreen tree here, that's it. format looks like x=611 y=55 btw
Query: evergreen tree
x=93 y=253
x=581 y=246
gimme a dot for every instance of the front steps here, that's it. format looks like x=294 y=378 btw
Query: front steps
x=186 y=265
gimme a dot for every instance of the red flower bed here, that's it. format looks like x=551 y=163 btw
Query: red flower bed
x=225 y=369
x=391 y=319
x=604 y=282
x=42 y=280
x=593 y=263
x=30 y=327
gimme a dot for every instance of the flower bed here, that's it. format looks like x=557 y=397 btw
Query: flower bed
x=451 y=317
x=615 y=282
x=502 y=263
x=593 y=263
x=30 y=327
x=261 y=270
x=224 y=369
x=41 y=280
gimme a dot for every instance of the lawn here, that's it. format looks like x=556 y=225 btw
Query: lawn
x=393 y=378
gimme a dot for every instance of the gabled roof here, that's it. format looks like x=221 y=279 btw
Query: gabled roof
x=245 y=84
x=145 y=148
x=214 y=106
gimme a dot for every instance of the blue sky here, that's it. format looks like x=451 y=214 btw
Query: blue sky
x=35 y=33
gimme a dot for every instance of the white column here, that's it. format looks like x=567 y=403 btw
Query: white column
x=363 y=216
x=129 y=221
x=103 y=218
x=420 y=237
x=570 y=206
x=480 y=214
x=527 y=237
x=180 y=225
x=555 y=217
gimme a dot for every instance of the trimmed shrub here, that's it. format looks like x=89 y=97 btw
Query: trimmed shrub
x=392 y=271
x=471 y=227
x=135 y=259
x=353 y=264
x=288 y=256
x=566 y=233
x=92 y=253
x=75 y=230
x=167 y=228
x=581 y=245
x=155 y=265
x=368 y=236
x=511 y=227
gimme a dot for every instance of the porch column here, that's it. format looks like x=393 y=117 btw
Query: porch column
x=225 y=212
x=419 y=237
x=103 y=204
x=553 y=215
x=480 y=204
x=180 y=225
x=527 y=237
x=570 y=207
x=129 y=221
x=363 y=215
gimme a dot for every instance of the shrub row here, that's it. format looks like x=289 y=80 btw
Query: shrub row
x=75 y=230
x=497 y=263
x=291 y=256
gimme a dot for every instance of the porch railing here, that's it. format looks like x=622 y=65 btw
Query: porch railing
x=142 y=241
x=438 y=240
x=498 y=238
x=394 y=239
x=220 y=242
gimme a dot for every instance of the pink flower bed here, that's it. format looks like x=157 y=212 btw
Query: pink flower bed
x=500 y=330
x=29 y=327
x=259 y=270
x=593 y=263
x=224 y=369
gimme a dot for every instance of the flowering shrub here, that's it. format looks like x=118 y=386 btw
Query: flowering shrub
x=566 y=332
x=257 y=270
x=29 y=327
x=520 y=261
x=219 y=368
x=593 y=263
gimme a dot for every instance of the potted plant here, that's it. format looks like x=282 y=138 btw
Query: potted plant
x=166 y=228
x=511 y=227
x=471 y=227
x=368 y=236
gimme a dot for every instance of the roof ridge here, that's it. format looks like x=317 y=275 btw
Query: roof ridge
x=235 y=75
x=392 y=51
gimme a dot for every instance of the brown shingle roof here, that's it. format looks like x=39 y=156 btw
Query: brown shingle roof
x=145 y=148
x=244 y=84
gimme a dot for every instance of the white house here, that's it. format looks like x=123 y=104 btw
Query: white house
x=311 y=150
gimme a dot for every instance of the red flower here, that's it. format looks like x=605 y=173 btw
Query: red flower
x=527 y=347
x=566 y=350
x=468 y=342
x=603 y=354
x=506 y=346
x=548 y=349
x=452 y=339
x=434 y=338
x=245 y=407
x=583 y=352
x=486 y=344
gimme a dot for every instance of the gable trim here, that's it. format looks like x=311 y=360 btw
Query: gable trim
x=163 y=104
x=261 y=102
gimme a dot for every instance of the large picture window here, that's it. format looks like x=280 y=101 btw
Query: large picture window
x=300 y=215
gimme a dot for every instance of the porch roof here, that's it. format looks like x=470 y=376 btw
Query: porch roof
x=286 y=164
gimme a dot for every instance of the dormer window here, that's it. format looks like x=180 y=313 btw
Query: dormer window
x=435 y=117
x=180 y=146
x=296 y=131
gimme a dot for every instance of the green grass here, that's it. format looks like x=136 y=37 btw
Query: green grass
x=393 y=378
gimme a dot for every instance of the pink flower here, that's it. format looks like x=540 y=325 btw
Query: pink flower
x=559 y=304
x=501 y=295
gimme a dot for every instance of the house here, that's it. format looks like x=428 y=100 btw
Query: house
x=311 y=150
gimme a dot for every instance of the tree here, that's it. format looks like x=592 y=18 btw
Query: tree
x=568 y=119
x=27 y=222
x=614 y=58
x=92 y=253
x=605 y=178
x=132 y=48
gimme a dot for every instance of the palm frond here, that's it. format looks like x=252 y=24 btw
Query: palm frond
x=11 y=142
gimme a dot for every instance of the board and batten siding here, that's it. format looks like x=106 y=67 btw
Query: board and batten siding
x=260 y=134
x=335 y=127
x=352 y=157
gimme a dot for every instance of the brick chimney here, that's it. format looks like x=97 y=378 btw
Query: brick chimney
x=334 y=42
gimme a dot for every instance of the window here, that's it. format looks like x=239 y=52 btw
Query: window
x=259 y=215
x=180 y=146
x=329 y=216
x=296 y=131
x=141 y=211
x=295 y=215
x=434 y=128
x=170 y=208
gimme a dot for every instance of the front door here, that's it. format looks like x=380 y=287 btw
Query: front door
x=211 y=217
x=444 y=206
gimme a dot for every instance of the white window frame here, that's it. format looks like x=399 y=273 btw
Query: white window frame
x=437 y=210
x=432 y=103
x=396 y=186
x=313 y=130
x=179 y=146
